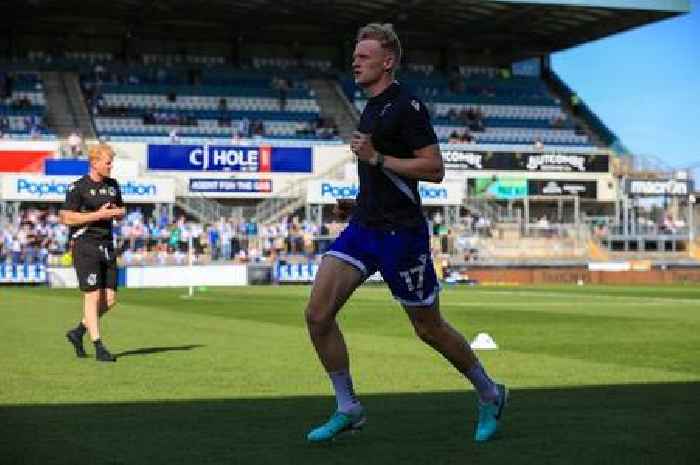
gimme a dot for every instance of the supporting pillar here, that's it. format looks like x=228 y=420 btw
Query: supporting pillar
x=526 y=204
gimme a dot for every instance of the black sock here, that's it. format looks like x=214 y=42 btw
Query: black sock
x=80 y=329
x=98 y=344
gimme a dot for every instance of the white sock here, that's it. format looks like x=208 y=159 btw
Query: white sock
x=344 y=392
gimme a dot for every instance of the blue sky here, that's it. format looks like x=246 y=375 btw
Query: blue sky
x=645 y=85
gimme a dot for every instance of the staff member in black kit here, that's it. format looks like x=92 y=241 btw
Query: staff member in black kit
x=92 y=202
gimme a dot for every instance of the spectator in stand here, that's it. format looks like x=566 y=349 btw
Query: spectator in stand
x=16 y=249
x=226 y=233
x=454 y=138
x=455 y=81
x=452 y=115
x=538 y=144
x=75 y=144
x=258 y=127
x=557 y=122
x=281 y=85
x=214 y=237
x=223 y=105
x=100 y=72
x=244 y=127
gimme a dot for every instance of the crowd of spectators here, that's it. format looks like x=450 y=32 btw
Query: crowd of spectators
x=321 y=127
x=36 y=236
x=32 y=124
x=471 y=119
x=32 y=237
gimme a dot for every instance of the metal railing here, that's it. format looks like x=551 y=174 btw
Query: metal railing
x=204 y=209
x=293 y=196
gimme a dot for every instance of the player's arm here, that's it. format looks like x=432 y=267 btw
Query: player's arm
x=426 y=165
x=71 y=218
x=118 y=213
x=343 y=208
x=70 y=214
x=419 y=135
x=119 y=207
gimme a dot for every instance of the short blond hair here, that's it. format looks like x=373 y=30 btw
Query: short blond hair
x=97 y=151
x=385 y=35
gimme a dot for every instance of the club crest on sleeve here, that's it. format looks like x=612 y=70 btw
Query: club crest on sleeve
x=415 y=104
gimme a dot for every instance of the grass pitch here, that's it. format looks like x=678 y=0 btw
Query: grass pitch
x=597 y=375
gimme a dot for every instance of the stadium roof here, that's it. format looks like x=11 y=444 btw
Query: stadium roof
x=512 y=28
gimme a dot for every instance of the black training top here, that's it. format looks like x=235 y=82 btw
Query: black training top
x=86 y=195
x=399 y=124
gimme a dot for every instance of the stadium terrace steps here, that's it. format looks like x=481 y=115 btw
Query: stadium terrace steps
x=559 y=88
x=683 y=256
x=78 y=105
x=332 y=102
x=531 y=248
x=60 y=116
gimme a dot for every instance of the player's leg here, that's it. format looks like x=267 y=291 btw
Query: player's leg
x=432 y=329
x=108 y=298
x=86 y=263
x=335 y=282
x=91 y=303
x=409 y=271
x=105 y=281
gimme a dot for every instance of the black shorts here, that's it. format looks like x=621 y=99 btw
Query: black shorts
x=96 y=265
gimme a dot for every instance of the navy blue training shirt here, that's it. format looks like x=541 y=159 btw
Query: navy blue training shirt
x=86 y=195
x=399 y=124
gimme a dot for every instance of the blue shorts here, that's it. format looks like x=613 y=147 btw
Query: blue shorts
x=402 y=256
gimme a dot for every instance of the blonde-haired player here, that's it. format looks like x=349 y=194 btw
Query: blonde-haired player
x=396 y=147
x=92 y=202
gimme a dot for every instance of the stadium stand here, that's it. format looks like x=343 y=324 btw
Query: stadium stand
x=22 y=106
x=486 y=105
x=206 y=102
x=197 y=90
